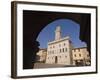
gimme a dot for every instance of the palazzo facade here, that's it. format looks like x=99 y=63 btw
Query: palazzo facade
x=61 y=51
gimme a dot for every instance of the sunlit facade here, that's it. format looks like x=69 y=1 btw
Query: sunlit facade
x=61 y=51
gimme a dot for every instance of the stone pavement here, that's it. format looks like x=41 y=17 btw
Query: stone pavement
x=43 y=65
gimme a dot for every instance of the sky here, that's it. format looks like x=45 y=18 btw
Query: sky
x=68 y=28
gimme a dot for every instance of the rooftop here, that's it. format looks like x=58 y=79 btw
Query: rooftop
x=56 y=41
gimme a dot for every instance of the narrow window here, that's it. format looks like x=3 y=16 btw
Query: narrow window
x=80 y=55
x=60 y=50
x=66 y=49
x=63 y=49
x=75 y=55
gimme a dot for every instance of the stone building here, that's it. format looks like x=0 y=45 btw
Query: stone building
x=41 y=55
x=80 y=56
x=59 y=51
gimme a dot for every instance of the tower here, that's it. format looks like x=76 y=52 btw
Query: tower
x=58 y=33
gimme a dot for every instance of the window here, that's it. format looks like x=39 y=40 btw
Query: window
x=66 y=49
x=63 y=49
x=75 y=55
x=87 y=55
x=65 y=56
x=60 y=50
x=64 y=44
x=80 y=55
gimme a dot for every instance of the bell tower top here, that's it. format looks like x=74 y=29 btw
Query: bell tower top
x=58 y=33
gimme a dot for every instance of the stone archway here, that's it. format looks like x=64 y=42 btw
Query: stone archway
x=35 y=21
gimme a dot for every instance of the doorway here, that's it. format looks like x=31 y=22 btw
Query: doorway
x=56 y=59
